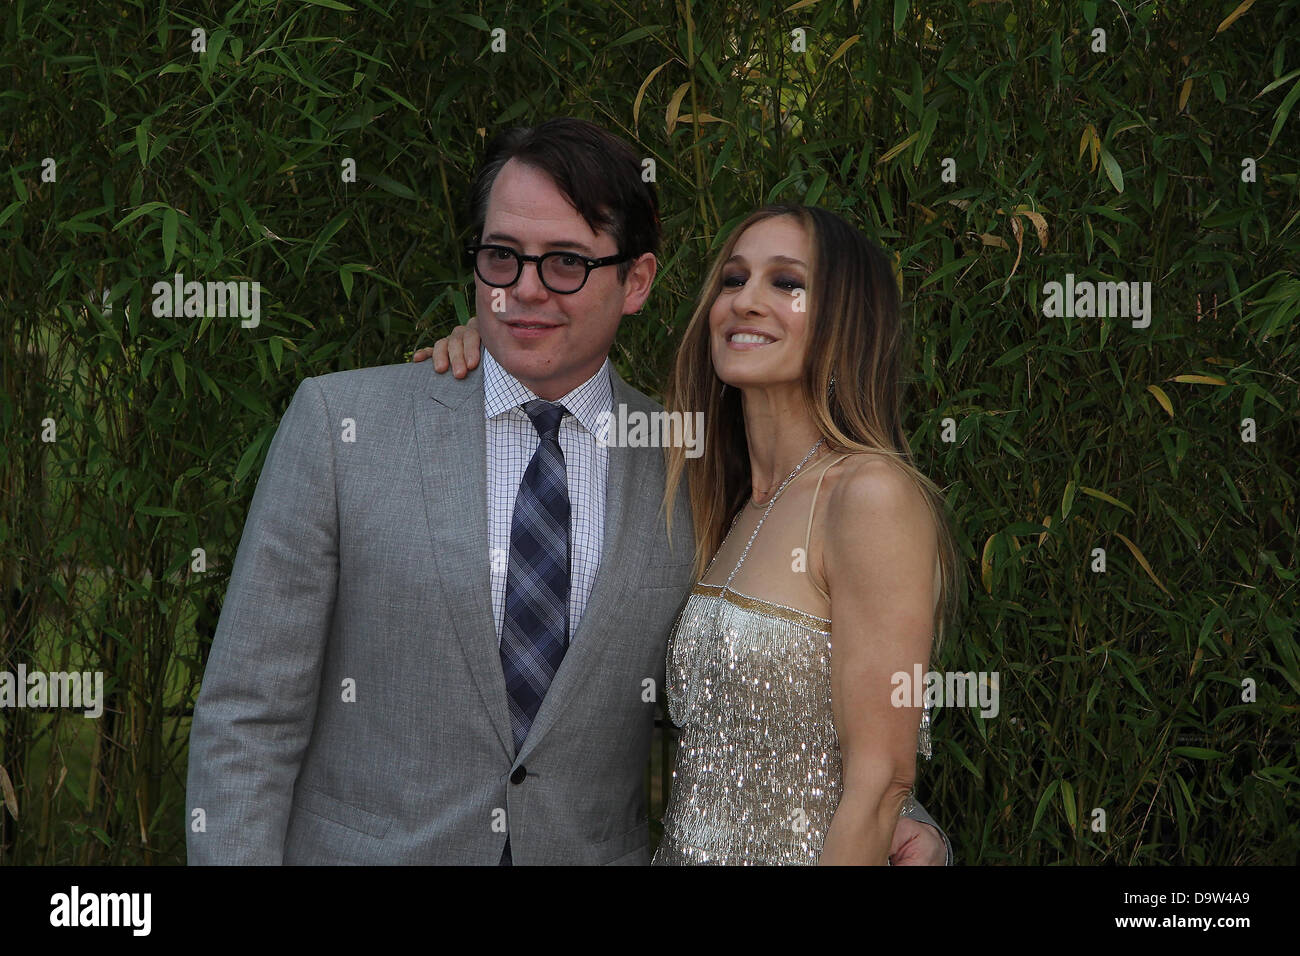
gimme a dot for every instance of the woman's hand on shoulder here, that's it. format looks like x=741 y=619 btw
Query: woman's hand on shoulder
x=459 y=351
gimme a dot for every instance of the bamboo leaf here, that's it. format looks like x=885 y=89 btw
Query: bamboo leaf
x=815 y=190
x=1232 y=18
x=640 y=94
x=674 y=105
x=1283 y=111
x=389 y=185
x=986 y=563
x=1197 y=753
x=1102 y=496
x=843 y=48
x=898 y=148
x=159 y=512
x=178 y=368
x=1142 y=560
x=1162 y=398
x=1039 y=221
x=1280 y=81
x=1067 y=801
x=333 y=226
x=170 y=225
x=1233 y=493
x=1113 y=172
x=1042 y=804
x=7 y=788
x=1200 y=379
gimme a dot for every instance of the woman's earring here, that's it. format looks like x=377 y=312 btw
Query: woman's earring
x=831 y=391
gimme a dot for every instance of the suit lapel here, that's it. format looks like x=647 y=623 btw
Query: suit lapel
x=451 y=437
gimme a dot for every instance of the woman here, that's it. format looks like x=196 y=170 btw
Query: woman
x=808 y=506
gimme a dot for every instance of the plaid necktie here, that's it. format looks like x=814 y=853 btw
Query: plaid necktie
x=535 y=629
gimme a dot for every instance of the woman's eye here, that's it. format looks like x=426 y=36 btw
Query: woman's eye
x=733 y=281
x=570 y=261
x=789 y=283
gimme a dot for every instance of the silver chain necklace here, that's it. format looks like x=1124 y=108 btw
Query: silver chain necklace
x=812 y=451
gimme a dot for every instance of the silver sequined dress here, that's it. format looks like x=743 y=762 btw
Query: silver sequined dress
x=757 y=777
x=758 y=771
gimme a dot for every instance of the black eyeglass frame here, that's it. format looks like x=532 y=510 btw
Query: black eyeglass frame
x=472 y=253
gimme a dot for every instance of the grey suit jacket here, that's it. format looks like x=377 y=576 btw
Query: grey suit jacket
x=354 y=708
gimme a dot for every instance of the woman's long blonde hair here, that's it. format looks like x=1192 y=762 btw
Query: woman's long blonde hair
x=856 y=337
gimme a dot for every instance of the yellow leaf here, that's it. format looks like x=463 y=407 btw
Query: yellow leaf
x=1232 y=18
x=704 y=118
x=640 y=94
x=899 y=148
x=674 y=105
x=1200 y=379
x=1141 y=559
x=986 y=564
x=1101 y=495
x=1090 y=139
x=930 y=214
x=840 y=50
x=1019 y=232
x=1040 y=224
x=801 y=4
x=7 y=789
x=1162 y=398
x=1186 y=92
x=991 y=240
x=1047 y=523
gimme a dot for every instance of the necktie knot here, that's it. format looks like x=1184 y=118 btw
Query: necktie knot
x=545 y=417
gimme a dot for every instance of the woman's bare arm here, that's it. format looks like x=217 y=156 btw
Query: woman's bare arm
x=879 y=554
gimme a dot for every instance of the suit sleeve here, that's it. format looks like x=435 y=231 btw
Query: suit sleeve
x=253 y=717
x=912 y=808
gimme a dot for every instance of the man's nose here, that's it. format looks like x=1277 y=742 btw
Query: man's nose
x=529 y=287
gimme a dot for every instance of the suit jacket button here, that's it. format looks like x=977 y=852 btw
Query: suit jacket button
x=518 y=775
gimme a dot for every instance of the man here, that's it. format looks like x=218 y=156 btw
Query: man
x=449 y=600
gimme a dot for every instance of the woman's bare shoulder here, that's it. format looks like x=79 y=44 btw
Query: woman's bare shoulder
x=868 y=487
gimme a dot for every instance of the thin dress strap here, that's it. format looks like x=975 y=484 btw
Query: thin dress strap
x=807 y=536
x=732 y=576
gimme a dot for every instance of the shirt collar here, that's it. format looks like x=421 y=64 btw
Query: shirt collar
x=502 y=393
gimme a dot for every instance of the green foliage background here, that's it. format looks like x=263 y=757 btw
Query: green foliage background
x=1120 y=691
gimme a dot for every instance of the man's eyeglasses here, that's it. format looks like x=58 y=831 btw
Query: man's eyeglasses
x=562 y=272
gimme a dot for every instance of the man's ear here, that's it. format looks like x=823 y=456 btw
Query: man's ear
x=636 y=287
